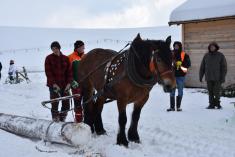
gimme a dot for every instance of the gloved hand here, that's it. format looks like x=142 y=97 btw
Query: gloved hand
x=67 y=88
x=56 y=88
x=74 y=84
x=178 y=64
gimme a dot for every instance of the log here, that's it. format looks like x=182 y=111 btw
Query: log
x=69 y=133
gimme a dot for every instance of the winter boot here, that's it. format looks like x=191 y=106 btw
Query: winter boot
x=63 y=116
x=178 y=103
x=78 y=114
x=217 y=104
x=172 y=104
x=55 y=116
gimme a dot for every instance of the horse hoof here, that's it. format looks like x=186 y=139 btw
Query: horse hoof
x=121 y=140
x=101 y=132
x=133 y=137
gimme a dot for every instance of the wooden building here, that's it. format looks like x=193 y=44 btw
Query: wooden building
x=201 y=24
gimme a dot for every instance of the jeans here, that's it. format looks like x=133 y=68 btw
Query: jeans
x=179 y=86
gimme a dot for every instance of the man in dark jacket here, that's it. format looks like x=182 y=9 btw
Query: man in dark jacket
x=59 y=77
x=181 y=63
x=214 y=66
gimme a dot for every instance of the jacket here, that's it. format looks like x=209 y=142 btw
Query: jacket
x=214 y=66
x=185 y=63
x=74 y=60
x=58 y=70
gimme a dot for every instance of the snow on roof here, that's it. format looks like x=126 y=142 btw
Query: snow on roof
x=194 y=10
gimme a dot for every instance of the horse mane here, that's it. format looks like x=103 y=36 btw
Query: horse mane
x=164 y=51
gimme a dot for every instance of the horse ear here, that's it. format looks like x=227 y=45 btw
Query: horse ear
x=168 y=40
x=138 y=38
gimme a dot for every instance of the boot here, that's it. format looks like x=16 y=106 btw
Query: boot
x=178 y=103
x=63 y=116
x=78 y=114
x=172 y=104
x=55 y=116
x=217 y=104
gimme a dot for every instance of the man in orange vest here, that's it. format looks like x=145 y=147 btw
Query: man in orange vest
x=74 y=60
x=181 y=63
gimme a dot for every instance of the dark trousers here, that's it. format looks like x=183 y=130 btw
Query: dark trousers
x=214 y=91
x=65 y=103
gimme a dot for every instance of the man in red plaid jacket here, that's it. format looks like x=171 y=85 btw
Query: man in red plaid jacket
x=59 y=77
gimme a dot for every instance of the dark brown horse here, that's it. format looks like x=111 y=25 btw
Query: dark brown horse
x=127 y=77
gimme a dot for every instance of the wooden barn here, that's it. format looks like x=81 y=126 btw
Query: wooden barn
x=202 y=22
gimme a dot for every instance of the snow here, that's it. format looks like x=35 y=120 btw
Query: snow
x=202 y=9
x=194 y=132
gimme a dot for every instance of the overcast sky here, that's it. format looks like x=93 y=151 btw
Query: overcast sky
x=86 y=13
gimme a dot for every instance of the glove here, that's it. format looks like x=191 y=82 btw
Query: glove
x=56 y=88
x=178 y=64
x=67 y=88
x=74 y=84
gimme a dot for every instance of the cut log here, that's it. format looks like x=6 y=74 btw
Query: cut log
x=69 y=133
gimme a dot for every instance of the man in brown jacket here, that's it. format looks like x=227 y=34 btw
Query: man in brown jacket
x=214 y=66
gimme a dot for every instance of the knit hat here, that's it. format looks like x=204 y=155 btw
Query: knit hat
x=179 y=44
x=214 y=44
x=78 y=44
x=55 y=44
x=11 y=61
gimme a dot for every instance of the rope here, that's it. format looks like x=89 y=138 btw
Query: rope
x=99 y=93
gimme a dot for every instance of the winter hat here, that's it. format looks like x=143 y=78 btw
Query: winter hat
x=11 y=61
x=215 y=44
x=78 y=44
x=55 y=44
x=179 y=44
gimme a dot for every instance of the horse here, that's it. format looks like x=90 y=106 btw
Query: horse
x=126 y=77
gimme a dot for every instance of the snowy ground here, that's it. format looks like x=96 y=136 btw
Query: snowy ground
x=195 y=132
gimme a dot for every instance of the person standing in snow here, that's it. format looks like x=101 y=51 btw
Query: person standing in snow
x=59 y=77
x=214 y=66
x=12 y=71
x=181 y=63
x=0 y=70
x=74 y=59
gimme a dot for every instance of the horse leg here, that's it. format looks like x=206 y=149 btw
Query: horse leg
x=132 y=132
x=99 y=128
x=88 y=106
x=122 y=119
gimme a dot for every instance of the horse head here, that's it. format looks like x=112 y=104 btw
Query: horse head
x=161 y=60
x=156 y=57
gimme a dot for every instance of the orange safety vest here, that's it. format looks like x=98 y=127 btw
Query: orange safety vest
x=182 y=55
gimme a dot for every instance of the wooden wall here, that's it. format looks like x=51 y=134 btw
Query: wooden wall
x=197 y=36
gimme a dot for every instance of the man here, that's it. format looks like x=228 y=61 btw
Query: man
x=214 y=66
x=59 y=77
x=74 y=59
x=181 y=63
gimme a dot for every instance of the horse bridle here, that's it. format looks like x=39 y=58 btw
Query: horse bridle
x=156 y=69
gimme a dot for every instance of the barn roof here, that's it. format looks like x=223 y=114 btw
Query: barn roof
x=203 y=10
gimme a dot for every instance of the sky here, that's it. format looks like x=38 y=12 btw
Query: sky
x=86 y=13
